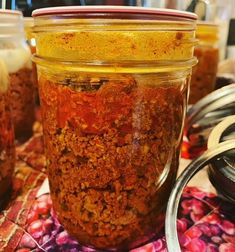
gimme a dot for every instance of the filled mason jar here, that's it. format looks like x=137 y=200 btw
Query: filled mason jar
x=7 y=148
x=113 y=86
x=15 y=52
x=207 y=52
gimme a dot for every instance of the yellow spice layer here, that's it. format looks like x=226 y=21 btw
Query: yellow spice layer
x=113 y=45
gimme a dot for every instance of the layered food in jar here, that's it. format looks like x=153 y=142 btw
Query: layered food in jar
x=7 y=150
x=112 y=121
x=112 y=151
x=21 y=88
x=207 y=52
x=15 y=52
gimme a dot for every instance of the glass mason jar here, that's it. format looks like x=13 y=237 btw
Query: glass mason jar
x=113 y=85
x=15 y=52
x=207 y=52
x=7 y=148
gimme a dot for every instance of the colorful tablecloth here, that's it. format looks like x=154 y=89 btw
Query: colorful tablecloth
x=205 y=222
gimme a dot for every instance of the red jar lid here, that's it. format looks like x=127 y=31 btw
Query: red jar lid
x=159 y=13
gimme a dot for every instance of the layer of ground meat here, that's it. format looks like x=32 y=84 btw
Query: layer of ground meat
x=204 y=73
x=22 y=102
x=7 y=150
x=112 y=151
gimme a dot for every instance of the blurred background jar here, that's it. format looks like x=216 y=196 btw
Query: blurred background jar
x=217 y=11
x=28 y=24
x=16 y=54
x=207 y=52
x=7 y=149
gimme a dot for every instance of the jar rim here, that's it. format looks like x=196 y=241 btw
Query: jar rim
x=124 y=66
x=11 y=12
x=132 y=10
x=11 y=23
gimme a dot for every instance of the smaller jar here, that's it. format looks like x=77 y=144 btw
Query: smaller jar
x=7 y=150
x=207 y=52
x=16 y=54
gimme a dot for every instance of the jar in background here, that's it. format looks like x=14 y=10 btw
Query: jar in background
x=207 y=52
x=7 y=148
x=214 y=11
x=28 y=24
x=15 y=52
x=113 y=85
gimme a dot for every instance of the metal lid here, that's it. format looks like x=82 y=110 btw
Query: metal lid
x=209 y=156
x=223 y=131
x=114 y=9
x=206 y=114
x=222 y=170
x=219 y=156
x=215 y=101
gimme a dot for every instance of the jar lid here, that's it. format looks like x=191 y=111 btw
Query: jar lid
x=211 y=103
x=206 y=114
x=113 y=9
x=222 y=170
x=208 y=157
